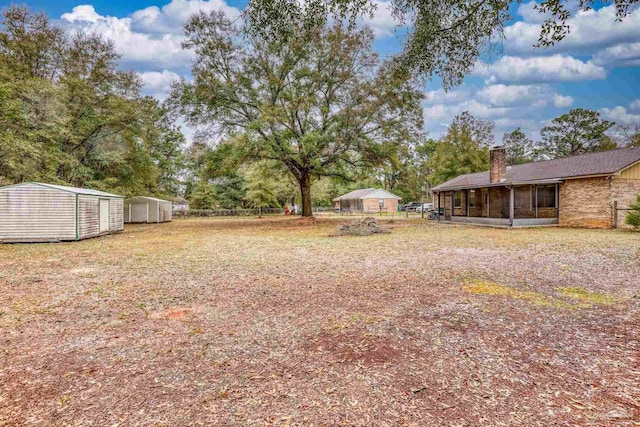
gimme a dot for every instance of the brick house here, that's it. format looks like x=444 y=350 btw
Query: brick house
x=367 y=200
x=590 y=190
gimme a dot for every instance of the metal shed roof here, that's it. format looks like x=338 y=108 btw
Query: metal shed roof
x=148 y=198
x=76 y=190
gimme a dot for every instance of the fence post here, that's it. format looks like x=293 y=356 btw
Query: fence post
x=615 y=214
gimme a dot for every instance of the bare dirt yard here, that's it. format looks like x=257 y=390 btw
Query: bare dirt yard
x=278 y=322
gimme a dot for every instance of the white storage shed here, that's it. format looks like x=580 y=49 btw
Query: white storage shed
x=147 y=209
x=37 y=212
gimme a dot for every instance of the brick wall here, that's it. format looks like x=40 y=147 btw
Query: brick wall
x=497 y=164
x=624 y=191
x=547 y=213
x=585 y=203
x=372 y=205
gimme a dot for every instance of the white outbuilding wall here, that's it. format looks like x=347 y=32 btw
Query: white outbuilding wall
x=147 y=210
x=36 y=212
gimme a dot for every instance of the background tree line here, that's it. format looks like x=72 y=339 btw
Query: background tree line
x=295 y=119
x=464 y=148
x=70 y=116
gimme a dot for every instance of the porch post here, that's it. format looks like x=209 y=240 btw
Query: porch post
x=488 y=202
x=438 y=206
x=512 y=199
x=453 y=204
x=466 y=198
x=558 y=202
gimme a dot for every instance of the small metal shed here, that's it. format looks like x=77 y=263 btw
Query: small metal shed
x=147 y=209
x=37 y=212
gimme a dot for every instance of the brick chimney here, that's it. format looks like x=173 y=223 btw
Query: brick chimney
x=497 y=164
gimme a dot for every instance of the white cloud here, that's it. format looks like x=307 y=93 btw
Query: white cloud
x=512 y=95
x=441 y=96
x=508 y=106
x=158 y=84
x=620 y=115
x=556 y=68
x=622 y=55
x=529 y=13
x=635 y=105
x=170 y=19
x=382 y=22
x=150 y=38
x=82 y=13
x=590 y=31
x=506 y=119
x=137 y=49
x=476 y=108
x=560 y=101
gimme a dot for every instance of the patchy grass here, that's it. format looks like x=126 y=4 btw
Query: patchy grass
x=582 y=294
x=538 y=298
x=274 y=322
x=586 y=299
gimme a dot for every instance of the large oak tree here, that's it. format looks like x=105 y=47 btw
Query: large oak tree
x=320 y=103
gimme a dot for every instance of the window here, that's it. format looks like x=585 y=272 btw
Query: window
x=547 y=196
x=472 y=198
x=458 y=200
x=523 y=198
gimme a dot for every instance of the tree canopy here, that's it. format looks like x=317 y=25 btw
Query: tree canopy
x=70 y=116
x=444 y=38
x=577 y=132
x=627 y=135
x=319 y=104
x=519 y=149
x=463 y=149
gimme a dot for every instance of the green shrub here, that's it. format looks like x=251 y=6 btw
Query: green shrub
x=633 y=217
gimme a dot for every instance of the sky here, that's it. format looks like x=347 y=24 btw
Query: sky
x=596 y=67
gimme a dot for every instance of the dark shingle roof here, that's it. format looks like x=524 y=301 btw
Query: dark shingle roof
x=603 y=163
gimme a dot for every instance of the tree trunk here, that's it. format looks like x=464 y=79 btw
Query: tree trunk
x=305 y=194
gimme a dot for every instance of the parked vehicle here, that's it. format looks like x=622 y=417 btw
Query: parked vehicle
x=425 y=206
x=411 y=207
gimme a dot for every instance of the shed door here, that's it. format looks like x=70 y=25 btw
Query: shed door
x=104 y=215
x=139 y=212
